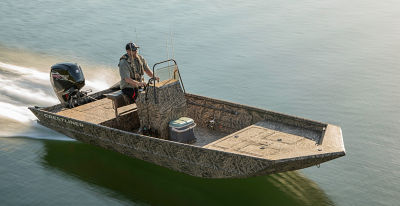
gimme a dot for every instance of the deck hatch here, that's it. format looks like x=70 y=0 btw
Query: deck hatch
x=263 y=142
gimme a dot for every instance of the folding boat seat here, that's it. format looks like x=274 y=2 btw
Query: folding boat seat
x=118 y=100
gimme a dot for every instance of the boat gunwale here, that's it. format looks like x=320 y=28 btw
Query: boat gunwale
x=316 y=125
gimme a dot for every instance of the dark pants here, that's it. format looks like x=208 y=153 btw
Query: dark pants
x=132 y=93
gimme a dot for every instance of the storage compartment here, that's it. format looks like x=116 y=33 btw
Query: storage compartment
x=181 y=130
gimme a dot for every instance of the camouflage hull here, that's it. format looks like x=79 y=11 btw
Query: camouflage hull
x=258 y=142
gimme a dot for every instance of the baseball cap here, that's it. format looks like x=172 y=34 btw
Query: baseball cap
x=131 y=46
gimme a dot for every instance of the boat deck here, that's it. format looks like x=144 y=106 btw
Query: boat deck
x=95 y=112
x=205 y=136
x=257 y=140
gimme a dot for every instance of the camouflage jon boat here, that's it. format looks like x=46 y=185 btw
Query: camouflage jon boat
x=233 y=140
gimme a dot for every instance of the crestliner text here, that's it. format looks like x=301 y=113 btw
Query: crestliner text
x=63 y=120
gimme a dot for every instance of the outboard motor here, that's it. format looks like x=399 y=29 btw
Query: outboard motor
x=67 y=79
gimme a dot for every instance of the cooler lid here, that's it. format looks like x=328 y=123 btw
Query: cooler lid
x=181 y=122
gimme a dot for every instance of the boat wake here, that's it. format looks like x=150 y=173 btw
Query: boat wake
x=21 y=87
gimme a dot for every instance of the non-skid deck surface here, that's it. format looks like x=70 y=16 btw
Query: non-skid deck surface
x=205 y=136
x=95 y=112
x=259 y=141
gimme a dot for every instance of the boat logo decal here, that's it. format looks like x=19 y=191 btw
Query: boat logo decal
x=58 y=76
x=63 y=120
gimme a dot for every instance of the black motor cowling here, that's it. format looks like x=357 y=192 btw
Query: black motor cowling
x=67 y=79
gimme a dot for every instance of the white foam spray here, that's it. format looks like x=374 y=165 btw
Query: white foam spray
x=21 y=87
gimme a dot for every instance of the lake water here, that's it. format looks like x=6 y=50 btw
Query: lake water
x=335 y=62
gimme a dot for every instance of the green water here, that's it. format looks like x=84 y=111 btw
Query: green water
x=335 y=62
x=57 y=172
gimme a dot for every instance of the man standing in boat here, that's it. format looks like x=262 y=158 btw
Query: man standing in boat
x=132 y=67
